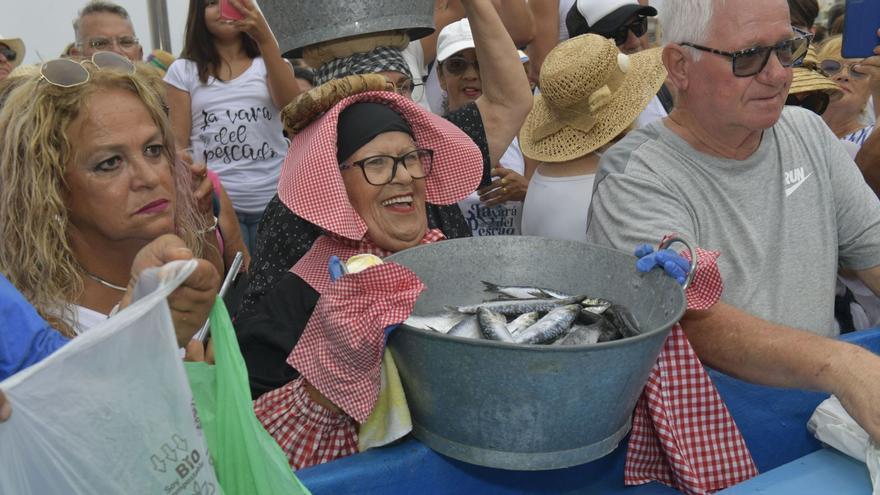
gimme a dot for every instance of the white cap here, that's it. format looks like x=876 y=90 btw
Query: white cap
x=603 y=16
x=454 y=38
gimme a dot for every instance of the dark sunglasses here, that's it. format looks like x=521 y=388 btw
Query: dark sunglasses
x=816 y=102
x=831 y=67
x=8 y=53
x=458 y=65
x=751 y=61
x=68 y=73
x=639 y=26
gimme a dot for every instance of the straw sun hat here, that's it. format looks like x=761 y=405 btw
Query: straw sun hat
x=807 y=78
x=590 y=93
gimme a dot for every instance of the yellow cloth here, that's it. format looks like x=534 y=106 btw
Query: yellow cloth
x=390 y=419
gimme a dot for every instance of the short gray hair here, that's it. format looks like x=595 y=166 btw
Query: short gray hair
x=687 y=20
x=95 y=7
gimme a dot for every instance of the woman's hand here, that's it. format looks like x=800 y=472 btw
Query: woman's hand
x=191 y=303
x=254 y=23
x=203 y=188
x=510 y=187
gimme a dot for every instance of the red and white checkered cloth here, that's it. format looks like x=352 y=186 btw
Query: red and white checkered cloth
x=682 y=434
x=308 y=433
x=340 y=351
x=311 y=184
x=313 y=266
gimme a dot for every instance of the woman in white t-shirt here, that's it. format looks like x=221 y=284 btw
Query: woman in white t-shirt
x=591 y=95
x=224 y=96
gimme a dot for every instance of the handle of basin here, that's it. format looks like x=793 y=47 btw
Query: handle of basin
x=672 y=240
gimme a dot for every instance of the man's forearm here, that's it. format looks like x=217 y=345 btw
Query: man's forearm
x=747 y=347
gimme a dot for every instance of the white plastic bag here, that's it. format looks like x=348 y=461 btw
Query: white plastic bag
x=110 y=412
x=833 y=426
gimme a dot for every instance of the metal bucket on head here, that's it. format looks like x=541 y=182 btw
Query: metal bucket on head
x=298 y=23
x=522 y=407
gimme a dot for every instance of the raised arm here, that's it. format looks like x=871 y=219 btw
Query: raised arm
x=517 y=18
x=283 y=87
x=507 y=97
x=546 y=15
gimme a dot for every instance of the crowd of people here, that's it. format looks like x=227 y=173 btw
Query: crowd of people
x=605 y=121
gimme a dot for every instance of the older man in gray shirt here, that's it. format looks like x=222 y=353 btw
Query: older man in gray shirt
x=772 y=190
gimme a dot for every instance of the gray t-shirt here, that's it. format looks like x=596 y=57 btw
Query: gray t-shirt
x=781 y=218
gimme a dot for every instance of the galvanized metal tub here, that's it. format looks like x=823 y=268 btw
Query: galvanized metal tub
x=298 y=23
x=528 y=407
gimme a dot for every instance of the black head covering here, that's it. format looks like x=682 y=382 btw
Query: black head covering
x=361 y=122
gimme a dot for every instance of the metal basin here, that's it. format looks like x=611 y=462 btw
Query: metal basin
x=528 y=407
x=299 y=23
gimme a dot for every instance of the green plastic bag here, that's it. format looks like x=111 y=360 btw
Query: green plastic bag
x=246 y=458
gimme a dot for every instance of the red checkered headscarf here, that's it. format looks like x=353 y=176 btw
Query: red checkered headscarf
x=311 y=184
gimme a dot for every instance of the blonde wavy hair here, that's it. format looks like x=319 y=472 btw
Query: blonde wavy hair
x=35 y=250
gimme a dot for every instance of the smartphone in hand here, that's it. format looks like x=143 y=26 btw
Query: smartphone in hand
x=227 y=11
x=860 y=23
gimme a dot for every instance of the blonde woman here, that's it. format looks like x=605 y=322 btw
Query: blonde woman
x=90 y=179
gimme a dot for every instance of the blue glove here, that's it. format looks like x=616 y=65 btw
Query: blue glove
x=672 y=263
x=337 y=270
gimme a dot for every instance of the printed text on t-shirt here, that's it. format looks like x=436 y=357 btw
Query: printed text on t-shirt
x=230 y=143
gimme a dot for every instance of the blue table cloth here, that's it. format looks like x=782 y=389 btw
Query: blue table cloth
x=773 y=422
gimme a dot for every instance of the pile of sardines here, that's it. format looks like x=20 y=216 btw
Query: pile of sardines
x=533 y=315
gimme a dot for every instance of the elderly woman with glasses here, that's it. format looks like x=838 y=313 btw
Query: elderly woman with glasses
x=848 y=116
x=89 y=181
x=362 y=172
x=491 y=123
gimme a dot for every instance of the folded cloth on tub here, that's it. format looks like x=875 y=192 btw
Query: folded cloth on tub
x=683 y=435
x=390 y=419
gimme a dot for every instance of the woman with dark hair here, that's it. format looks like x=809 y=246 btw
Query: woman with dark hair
x=224 y=96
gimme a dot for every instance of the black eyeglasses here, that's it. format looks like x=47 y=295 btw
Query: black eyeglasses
x=816 y=101
x=380 y=169
x=68 y=73
x=751 y=61
x=831 y=67
x=409 y=89
x=8 y=53
x=458 y=65
x=639 y=26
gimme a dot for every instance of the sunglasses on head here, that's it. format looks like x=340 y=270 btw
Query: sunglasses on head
x=816 y=101
x=751 y=61
x=459 y=65
x=831 y=67
x=67 y=73
x=8 y=53
x=638 y=26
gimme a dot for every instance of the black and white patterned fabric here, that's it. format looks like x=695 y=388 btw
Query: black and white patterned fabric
x=380 y=59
